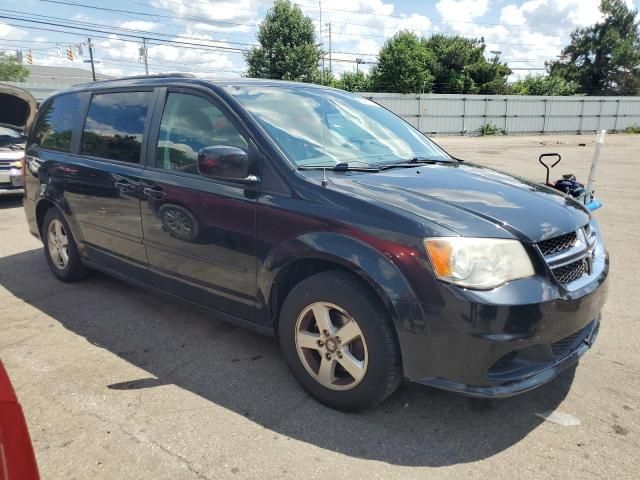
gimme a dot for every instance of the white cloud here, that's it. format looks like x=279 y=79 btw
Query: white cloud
x=140 y=25
x=237 y=11
x=462 y=10
x=11 y=33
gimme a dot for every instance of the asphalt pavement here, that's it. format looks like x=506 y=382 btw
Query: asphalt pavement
x=117 y=382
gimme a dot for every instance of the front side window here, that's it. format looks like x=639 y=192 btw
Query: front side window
x=317 y=126
x=55 y=123
x=115 y=125
x=189 y=124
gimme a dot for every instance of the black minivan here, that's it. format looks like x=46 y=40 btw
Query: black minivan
x=323 y=219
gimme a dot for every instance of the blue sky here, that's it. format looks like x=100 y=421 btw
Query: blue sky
x=526 y=32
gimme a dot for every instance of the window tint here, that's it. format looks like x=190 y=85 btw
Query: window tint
x=115 y=124
x=190 y=123
x=55 y=123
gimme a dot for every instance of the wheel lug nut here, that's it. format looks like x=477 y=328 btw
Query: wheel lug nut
x=325 y=333
x=328 y=356
x=339 y=354
x=338 y=339
x=320 y=343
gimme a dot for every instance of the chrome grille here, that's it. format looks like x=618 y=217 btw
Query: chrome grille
x=5 y=164
x=560 y=244
x=571 y=272
x=569 y=256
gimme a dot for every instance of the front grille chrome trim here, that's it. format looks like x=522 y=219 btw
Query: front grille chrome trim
x=580 y=255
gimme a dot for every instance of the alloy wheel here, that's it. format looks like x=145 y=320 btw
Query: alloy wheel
x=331 y=346
x=58 y=243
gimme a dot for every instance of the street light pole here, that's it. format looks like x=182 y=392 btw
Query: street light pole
x=93 y=68
x=146 y=64
x=330 y=67
x=321 y=41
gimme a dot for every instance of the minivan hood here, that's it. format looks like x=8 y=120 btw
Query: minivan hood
x=471 y=200
x=18 y=106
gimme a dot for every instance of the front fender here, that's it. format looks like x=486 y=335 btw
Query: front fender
x=374 y=266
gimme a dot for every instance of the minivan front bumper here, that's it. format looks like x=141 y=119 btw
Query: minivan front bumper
x=502 y=342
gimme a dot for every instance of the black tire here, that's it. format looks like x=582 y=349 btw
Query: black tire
x=345 y=290
x=74 y=270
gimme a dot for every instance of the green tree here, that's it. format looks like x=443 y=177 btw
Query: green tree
x=543 y=85
x=287 y=50
x=604 y=59
x=404 y=65
x=353 y=82
x=460 y=66
x=11 y=70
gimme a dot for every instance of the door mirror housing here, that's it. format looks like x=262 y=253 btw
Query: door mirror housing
x=225 y=162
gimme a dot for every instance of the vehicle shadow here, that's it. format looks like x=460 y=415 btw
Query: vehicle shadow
x=244 y=372
x=10 y=201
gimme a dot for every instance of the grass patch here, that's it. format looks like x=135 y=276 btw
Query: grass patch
x=488 y=129
x=633 y=129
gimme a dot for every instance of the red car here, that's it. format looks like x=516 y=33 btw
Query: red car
x=17 y=460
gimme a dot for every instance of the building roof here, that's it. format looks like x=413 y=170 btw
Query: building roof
x=45 y=80
x=71 y=73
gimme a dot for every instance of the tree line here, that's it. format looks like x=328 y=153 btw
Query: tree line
x=602 y=59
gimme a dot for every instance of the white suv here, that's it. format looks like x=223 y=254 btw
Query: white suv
x=18 y=109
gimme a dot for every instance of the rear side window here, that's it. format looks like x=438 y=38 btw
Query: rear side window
x=54 y=127
x=115 y=124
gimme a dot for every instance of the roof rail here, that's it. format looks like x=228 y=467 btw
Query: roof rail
x=153 y=75
x=164 y=75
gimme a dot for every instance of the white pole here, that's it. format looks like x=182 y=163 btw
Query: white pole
x=594 y=164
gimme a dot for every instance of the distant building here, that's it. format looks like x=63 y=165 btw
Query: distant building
x=43 y=81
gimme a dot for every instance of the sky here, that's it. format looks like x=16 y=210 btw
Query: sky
x=524 y=32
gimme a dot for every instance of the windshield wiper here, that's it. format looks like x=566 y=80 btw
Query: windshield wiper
x=342 y=167
x=413 y=162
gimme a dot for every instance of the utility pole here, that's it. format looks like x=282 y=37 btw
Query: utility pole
x=321 y=41
x=93 y=68
x=146 y=64
x=330 y=67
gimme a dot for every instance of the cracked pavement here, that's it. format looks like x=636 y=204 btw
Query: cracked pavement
x=116 y=382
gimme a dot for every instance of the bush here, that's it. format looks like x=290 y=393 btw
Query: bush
x=488 y=129
x=633 y=129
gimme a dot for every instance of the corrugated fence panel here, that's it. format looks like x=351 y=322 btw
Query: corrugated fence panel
x=465 y=114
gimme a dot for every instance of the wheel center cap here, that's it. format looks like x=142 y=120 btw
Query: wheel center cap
x=331 y=345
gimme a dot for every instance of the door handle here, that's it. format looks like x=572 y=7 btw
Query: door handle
x=154 y=192
x=125 y=185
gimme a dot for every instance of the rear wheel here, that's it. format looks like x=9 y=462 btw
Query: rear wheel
x=338 y=341
x=60 y=248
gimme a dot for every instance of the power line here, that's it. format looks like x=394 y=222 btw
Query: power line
x=161 y=41
x=212 y=22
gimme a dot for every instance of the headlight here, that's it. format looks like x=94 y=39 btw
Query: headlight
x=16 y=164
x=481 y=263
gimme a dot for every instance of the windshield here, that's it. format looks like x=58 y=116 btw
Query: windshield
x=321 y=127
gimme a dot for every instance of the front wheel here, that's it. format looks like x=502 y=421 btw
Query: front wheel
x=338 y=342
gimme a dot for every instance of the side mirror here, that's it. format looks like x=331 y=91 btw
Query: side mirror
x=225 y=162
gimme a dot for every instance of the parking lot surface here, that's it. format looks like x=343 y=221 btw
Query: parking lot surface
x=117 y=382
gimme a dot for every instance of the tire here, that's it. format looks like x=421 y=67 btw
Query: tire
x=65 y=267
x=325 y=364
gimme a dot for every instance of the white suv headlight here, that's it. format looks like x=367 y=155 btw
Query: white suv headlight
x=481 y=263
